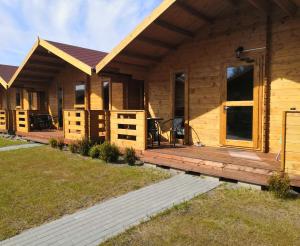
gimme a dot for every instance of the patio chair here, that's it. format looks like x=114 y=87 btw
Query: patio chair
x=177 y=130
x=41 y=122
x=153 y=131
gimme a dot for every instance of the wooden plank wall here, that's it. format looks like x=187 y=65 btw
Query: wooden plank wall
x=204 y=58
x=285 y=69
x=117 y=96
x=291 y=142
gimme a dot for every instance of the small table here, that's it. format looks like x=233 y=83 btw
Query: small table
x=153 y=128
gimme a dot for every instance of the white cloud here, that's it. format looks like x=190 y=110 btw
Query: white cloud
x=97 y=24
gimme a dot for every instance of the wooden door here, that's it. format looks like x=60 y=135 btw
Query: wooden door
x=240 y=106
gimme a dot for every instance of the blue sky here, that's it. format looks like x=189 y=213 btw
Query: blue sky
x=96 y=24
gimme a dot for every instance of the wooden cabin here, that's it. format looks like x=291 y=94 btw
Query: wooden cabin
x=229 y=69
x=6 y=117
x=51 y=92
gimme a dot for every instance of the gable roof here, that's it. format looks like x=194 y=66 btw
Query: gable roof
x=174 y=22
x=6 y=72
x=137 y=31
x=82 y=58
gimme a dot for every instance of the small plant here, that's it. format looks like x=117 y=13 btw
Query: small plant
x=73 y=147
x=279 y=185
x=109 y=152
x=84 y=147
x=95 y=151
x=60 y=144
x=53 y=143
x=130 y=156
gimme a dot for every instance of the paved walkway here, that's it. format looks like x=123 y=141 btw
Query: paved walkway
x=94 y=225
x=21 y=146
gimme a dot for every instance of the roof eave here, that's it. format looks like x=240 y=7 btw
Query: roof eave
x=56 y=51
x=139 y=29
x=3 y=83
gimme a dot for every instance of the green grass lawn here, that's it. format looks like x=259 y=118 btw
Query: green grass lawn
x=41 y=184
x=221 y=217
x=8 y=142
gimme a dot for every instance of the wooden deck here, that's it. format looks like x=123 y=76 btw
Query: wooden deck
x=41 y=136
x=234 y=164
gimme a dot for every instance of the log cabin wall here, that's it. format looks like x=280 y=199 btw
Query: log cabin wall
x=3 y=103
x=204 y=60
x=285 y=74
x=96 y=91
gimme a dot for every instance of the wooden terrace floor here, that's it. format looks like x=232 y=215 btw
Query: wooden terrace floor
x=234 y=164
x=42 y=136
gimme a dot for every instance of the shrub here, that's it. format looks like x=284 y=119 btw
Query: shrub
x=84 y=147
x=95 y=151
x=73 y=147
x=130 y=156
x=53 y=143
x=60 y=144
x=279 y=185
x=109 y=152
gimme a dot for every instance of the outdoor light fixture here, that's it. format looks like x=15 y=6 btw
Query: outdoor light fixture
x=240 y=51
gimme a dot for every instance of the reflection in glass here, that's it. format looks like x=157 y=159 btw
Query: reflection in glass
x=239 y=123
x=80 y=94
x=240 y=83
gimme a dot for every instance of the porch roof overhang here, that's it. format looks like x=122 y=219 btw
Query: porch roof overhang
x=175 y=21
x=6 y=72
x=47 y=58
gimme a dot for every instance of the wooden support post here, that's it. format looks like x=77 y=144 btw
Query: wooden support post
x=267 y=83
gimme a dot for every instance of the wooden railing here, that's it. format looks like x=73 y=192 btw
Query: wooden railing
x=22 y=121
x=128 y=129
x=3 y=120
x=75 y=125
x=99 y=124
x=290 y=151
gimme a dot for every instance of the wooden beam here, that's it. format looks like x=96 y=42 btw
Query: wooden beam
x=157 y=43
x=163 y=7
x=141 y=56
x=262 y=6
x=194 y=12
x=174 y=28
x=287 y=6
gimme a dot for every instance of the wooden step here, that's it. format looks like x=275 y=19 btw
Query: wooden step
x=217 y=169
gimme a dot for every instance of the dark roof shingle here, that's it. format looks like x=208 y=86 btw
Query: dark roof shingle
x=7 y=71
x=87 y=56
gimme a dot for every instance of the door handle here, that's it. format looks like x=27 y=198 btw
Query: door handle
x=226 y=107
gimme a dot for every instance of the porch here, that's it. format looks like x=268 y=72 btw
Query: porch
x=227 y=163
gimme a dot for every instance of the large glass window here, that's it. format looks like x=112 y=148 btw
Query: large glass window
x=80 y=94
x=18 y=99
x=240 y=83
x=179 y=94
x=106 y=95
x=239 y=123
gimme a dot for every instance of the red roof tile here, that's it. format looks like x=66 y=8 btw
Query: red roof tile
x=87 y=56
x=7 y=71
